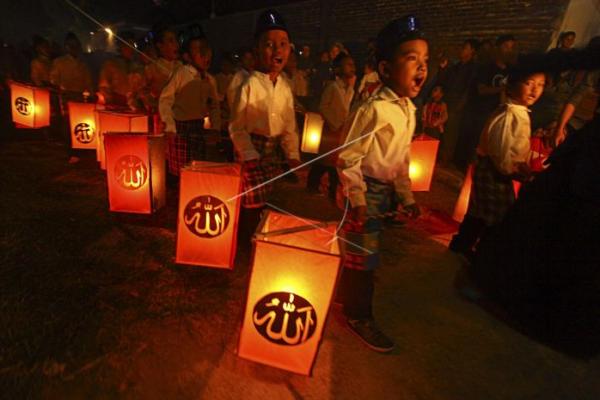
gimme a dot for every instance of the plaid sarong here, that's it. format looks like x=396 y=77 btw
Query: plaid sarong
x=360 y=247
x=256 y=172
x=492 y=193
x=187 y=145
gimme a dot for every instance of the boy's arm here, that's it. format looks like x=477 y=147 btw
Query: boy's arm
x=214 y=109
x=358 y=141
x=166 y=101
x=237 y=125
x=402 y=182
x=325 y=104
x=289 y=140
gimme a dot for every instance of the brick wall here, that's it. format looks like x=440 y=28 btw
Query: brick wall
x=447 y=23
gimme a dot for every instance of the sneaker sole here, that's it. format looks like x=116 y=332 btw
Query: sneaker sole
x=369 y=345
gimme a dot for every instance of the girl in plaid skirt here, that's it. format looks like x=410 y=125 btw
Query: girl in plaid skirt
x=502 y=156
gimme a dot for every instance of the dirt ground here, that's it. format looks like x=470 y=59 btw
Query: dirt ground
x=92 y=306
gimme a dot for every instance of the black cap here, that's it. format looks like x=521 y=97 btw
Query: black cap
x=395 y=33
x=268 y=21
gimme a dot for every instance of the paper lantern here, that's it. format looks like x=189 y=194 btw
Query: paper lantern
x=136 y=172
x=311 y=135
x=423 y=153
x=206 y=124
x=82 y=123
x=294 y=273
x=30 y=106
x=207 y=221
x=460 y=209
x=111 y=121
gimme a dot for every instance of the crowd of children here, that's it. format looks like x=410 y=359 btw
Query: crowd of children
x=480 y=112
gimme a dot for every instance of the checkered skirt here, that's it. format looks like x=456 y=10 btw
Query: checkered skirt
x=256 y=172
x=492 y=193
x=187 y=145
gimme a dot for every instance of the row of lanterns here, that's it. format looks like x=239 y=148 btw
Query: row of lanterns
x=296 y=263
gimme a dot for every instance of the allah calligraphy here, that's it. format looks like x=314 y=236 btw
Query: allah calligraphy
x=131 y=172
x=23 y=106
x=206 y=216
x=285 y=318
x=84 y=133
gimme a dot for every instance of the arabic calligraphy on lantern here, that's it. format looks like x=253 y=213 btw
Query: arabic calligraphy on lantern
x=131 y=172
x=285 y=318
x=22 y=105
x=84 y=133
x=206 y=216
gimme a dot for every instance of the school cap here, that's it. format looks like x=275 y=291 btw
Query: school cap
x=395 y=33
x=268 y=21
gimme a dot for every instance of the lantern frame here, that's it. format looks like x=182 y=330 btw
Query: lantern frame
x=120 y=121
x=39 y=99
x=309 y=143
x=421 y=156
x=187 y=242
x=309 y=271
x=152 y=195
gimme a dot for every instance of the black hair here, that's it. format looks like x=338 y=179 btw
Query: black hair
x=160 y=32
x=474 y=43
x=71 y=36
x=337 y=61
x=504 y=38
x=38 y=40
x=185 y=48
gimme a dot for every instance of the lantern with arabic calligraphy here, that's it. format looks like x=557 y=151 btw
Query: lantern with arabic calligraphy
x=111 y=121
x=136 y=172
x=30 y=106
x=423 y=153
x=311 y=135
x=207 y=221
x=294 y=273
x=83 y=125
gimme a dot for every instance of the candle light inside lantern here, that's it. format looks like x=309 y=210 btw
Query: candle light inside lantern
x=311 y=136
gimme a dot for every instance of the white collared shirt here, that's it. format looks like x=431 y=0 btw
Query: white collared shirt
x=262 y=108
x=335 y=103
x=387 y=123
x=506 y=137
x=188 y=96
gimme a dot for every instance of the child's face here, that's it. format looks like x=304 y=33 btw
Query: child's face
x=530 y=90
x=273 y=51
x=168 y=47
x=347 y=69
x=568 y=41
x=405 y=74
x=437 y=93
x=200 y=54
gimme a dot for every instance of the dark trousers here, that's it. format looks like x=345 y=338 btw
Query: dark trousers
x=356 y=291
x=469 y=233
x=314 y=178
x=249 y=219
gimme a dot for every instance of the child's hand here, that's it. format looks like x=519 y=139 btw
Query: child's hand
x=412 y=210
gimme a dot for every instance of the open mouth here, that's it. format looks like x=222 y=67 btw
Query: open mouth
x=277 y=60
x=418 y=81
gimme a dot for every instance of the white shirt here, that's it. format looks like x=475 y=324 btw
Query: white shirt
x=506 y=137
x=387 y=123
x=264 y=109
x=367 y=80
x=189 y=96
x=238 y=79
x=335 y=103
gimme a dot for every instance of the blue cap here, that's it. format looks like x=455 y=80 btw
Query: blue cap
x=269 y=20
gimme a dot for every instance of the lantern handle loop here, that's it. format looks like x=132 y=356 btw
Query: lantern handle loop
x=302 y=228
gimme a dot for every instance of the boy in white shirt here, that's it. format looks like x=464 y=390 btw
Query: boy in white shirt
x=373 y=169
x=335 y=108
x=262 y=118
x=189 y=97
x=502 y=156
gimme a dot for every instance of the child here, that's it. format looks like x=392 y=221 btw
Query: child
x=189 y=97
x=373 y=169
x=159 y=72
x=435 y=113
x=335 y=108
x=370 y=80
x=247 y=64
x=502 y=155
x=262 y=118
x=41 y=64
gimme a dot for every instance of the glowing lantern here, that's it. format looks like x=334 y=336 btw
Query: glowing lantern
x=460 y=209
x=207 y=221
x=136 y=172
x=293 y=277
x=311 y=136
x=423 y=153
x=30 y=106
x=206 y=123
x=83 y=125
x=110 y=121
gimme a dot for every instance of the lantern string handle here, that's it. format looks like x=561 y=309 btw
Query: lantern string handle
x=296 y=229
